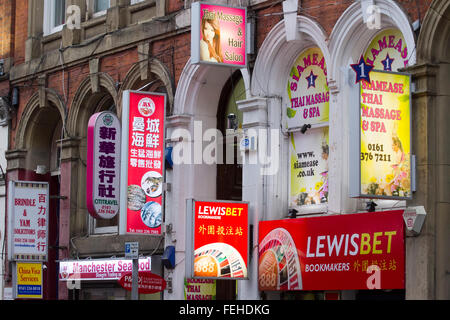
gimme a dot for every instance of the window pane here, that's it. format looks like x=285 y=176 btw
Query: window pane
x=60 y=8
x=100 y=5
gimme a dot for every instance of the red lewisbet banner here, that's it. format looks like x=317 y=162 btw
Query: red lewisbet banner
x=220 y=239
x=339 y=252
x=143 y=117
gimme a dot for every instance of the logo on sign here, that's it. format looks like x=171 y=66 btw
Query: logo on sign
x=146 y=107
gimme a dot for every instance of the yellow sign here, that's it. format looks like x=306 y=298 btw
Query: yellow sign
x=307 y=89
x=386 y=136
x=29 y=280
x=387 y=51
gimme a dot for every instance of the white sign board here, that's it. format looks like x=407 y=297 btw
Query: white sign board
x=28 y=205
x=132 y=250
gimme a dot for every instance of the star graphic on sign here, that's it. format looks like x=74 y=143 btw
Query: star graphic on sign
x=311 y=80
x=387 y=63
x=362 y=70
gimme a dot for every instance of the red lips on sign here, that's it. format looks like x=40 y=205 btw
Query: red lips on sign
x=147 y=282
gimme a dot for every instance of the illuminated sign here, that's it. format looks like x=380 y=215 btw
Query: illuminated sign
x=309 y=167
x=339 y=252
x=307 y=89
x=103 y=165
x=384 y=138
x=142 y=163
x=218 y=35
x=219 y=232
x=28 y=220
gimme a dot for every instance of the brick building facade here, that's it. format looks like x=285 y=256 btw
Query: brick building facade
x=62 y=77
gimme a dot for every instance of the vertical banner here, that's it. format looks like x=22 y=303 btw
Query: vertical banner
x=27 y=280
x=334 y=252
x=309 y=167
x=103 y=165
x=219 y=240
x=142 y=163
x=218 y=35
x=28 y=205
x=307 y=89
x=385 y=136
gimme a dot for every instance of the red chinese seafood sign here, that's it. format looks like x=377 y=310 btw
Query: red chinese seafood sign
x=143 y=115
x=339 y=252
x=220 y=235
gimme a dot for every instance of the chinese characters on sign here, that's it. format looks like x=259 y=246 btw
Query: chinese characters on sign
x=220 y=239
x=332 y=252
x=143 y=117
x=28 y=220
x=103 y=165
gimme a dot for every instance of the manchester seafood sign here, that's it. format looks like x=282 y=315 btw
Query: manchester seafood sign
x=103 y=165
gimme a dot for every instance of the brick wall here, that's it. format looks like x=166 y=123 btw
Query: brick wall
x=6 y=28
x=20 y=30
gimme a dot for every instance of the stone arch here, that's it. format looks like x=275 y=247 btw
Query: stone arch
x=84 y=101
x=42 y=114
x=350 y=35
x=275 y=46
x=156 y=75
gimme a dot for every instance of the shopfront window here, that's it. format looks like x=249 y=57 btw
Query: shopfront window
x=306 y=120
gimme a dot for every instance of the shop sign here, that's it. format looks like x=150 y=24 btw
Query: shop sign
x=307 y=89
x=103 y=165
x=218 y=35
x=28 y=281
x=384 y=132
x=337 y=252
x=148 y=282
x=99 y=269
x=309 y=167
x=199 y=289
x=219 y=234
x=387 y=51
x=28 y=220
x=143 y=115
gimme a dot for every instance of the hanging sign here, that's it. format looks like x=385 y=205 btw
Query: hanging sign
x=219 y=234
x=387 y=51
x=148 y=282
x=307 y=89
x=338 y=252
x=218 y=35
x=309 y=167
x=143 y=115
x=384 y=138
x=28 y=220
x=27 y=280
x=103 y=165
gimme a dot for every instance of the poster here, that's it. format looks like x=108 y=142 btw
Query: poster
x=334 y=252
x=218 y=35
x=309 y=167
x=307 y=89
x=220 y=239
x=103 y=165
x=28 y=220
x=199 y=289
x=28 y=280
x=142 y=162
x=387 y=51
x=386 y=136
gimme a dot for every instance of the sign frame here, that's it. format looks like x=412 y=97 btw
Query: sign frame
x=355 y=118
x=123 y=211
x=11 y=214
x=190 y=239
x=92 y=170
x=196 y=32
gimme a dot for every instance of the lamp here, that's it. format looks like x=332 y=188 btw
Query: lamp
x=232 y=123
x=370 y=206
x=305 y=127
x=292 y=213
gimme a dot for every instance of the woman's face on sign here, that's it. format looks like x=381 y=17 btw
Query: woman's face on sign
x=209 y=32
